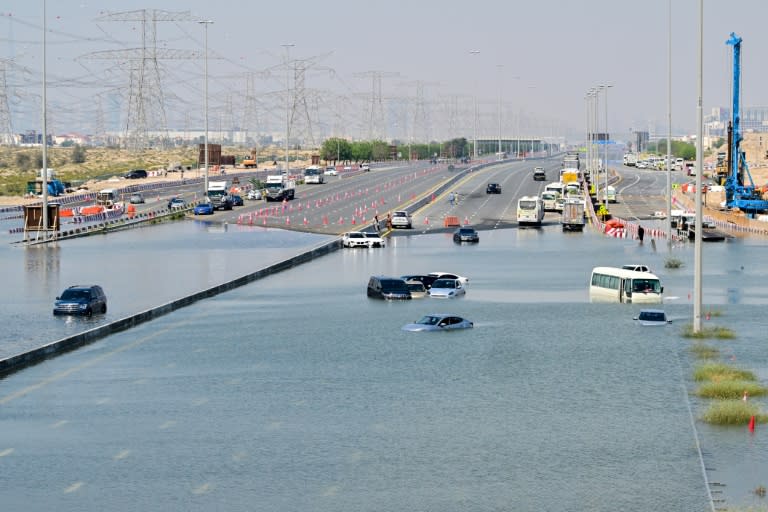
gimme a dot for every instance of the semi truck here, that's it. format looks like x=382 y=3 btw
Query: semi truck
x=279 y=188
x=573 y=214
x=218 y=195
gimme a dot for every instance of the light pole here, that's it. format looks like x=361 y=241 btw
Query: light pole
x=697 y=290
x=45 y=136
x=287 y=47
x=205 y=24
x=500 y=67
x=605 y=142
x=669 y=128
x=474 y=111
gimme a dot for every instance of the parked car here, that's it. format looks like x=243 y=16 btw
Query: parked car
x=439 y=322
x=204 y=208
x=466 y=234
x=236 y=200
x=447 y=288
x=136 y=198
x=254 y=195
x=81 y=300
x=388 y=288
x=401 y=219
x=493 y=188
x=176 y=202
x=331 y=171
x=136 y=174
x=355 y=239
x=448 y=275
x=652 y=317
x=426 y=280
x=417 y=289
x=374 y=239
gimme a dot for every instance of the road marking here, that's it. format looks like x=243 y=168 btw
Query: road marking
x=121 y=455
x=74 y=487
x=5 y=452
x=86 y=364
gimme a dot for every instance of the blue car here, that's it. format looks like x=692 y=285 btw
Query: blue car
x=237 y=200
x=203 y=209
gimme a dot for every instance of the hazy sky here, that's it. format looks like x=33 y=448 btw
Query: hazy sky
x=543 y=55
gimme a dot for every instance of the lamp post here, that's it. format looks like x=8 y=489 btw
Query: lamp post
x=205 y=24
x=500 y=67
x=697 y=287
x=669 y=127
x=45 y=135
x=474 y=112
x=605 y=87
x=287 y=47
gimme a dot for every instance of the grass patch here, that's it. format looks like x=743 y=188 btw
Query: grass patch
x=714 y=313
x=714 y=331
x=718 y=372
x=730 y=389
x=702 y=351
x=673 y=263
x=733 y=412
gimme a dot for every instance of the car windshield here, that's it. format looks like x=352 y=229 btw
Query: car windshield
x=429 y=320
x=399 y=214
x=444 y=283
x=355 y=235
x=466 y=231
x=415 y=287
x=653 y=316
x=646 y=285
x=371 y=235
x=393 y=285
x=75 y=294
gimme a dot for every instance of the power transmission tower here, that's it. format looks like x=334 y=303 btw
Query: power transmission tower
x=251 y=111
x=146 y=106
x=7 y=137
x=421 y=122
x=376 y=118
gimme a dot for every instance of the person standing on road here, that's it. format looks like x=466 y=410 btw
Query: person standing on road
x=452 y=198
x=640 y=233
x=389 y=221
x=376 y=223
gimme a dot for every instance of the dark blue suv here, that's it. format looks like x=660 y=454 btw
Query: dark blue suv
x=81 y=300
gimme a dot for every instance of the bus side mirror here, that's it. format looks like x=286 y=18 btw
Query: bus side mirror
x=662 y=289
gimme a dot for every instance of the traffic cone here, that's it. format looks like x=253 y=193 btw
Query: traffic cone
x=305 y=221
x=288 y=221
x=466 y=221
x=752 y=424
x=353 y=221
x=426 y=220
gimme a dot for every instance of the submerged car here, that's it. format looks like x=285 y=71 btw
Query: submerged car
x=466 y=235
x=374 y=239
x=447 y=289
x=417 y=289
x=439 y=322
x=387 y=288
x=205 y=208
x=426 y=280
x=448 y=275
x=355 y=239
x=652 y=317
x=83 y=300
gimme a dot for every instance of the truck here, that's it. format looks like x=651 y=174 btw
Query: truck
x=573 y=214
x=218 y=195
x=279 y=188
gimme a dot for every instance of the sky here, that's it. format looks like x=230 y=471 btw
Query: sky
x=528 y=63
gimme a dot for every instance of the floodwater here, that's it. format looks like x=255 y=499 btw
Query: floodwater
x=297 y=392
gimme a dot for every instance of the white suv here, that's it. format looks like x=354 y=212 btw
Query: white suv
x=401 y=220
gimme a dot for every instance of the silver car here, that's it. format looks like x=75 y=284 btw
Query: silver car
x=439 y=322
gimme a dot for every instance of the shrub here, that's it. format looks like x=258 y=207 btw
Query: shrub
x=733 y=412
x=708 y=332
x=730 y=389
x=702 y=351
x=716 y=372
x=673 y=263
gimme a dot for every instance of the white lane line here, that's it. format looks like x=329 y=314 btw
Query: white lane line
x=6 y=452
x=121 y=454
x=73 y=488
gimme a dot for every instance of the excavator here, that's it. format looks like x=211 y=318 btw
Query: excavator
x=740 y=191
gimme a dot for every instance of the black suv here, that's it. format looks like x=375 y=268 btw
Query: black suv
x=81 y=300
x=493 y=188
x=136 y=174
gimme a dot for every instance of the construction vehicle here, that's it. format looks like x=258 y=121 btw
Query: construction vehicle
x=279 y=187
x=739 y=194
x=252 y=161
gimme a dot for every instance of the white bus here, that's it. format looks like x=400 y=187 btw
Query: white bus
x=557 y=186
x=314 y=174
x=609 y=284
x=530 y=211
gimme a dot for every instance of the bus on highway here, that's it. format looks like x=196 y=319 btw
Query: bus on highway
x=530 y=211
x=610 y=284
x=314 y=174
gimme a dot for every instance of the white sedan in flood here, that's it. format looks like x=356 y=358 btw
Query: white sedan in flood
x=439 y=322
x=447 y=289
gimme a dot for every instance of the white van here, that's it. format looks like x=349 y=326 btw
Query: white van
x=550 y=201
x=611 y=195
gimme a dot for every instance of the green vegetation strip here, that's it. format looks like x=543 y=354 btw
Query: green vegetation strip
x=718 y=372
x=733 y=412
x=702 y=351
x=715 y=331
x=730 y=389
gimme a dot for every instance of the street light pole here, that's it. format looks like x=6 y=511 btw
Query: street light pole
x=474 y=111
x=499 y=110
x=287 y=47
x=45 y=135
x=669 y=128
x=205 y=24
x=697 y=291
x=605 y=142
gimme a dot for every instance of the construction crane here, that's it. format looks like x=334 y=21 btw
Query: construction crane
x=738 y=194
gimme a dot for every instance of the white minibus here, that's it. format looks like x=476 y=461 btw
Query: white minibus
x=609 y=284
x=530 y=211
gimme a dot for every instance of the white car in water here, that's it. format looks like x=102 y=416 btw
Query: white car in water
x=447 y=289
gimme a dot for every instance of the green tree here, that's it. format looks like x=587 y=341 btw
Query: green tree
x=362 y=151
x=78 y=154
x=336 y=149
x=379 y=150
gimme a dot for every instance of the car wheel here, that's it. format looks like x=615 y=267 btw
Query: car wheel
x=103 y=309
x=88 y=312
